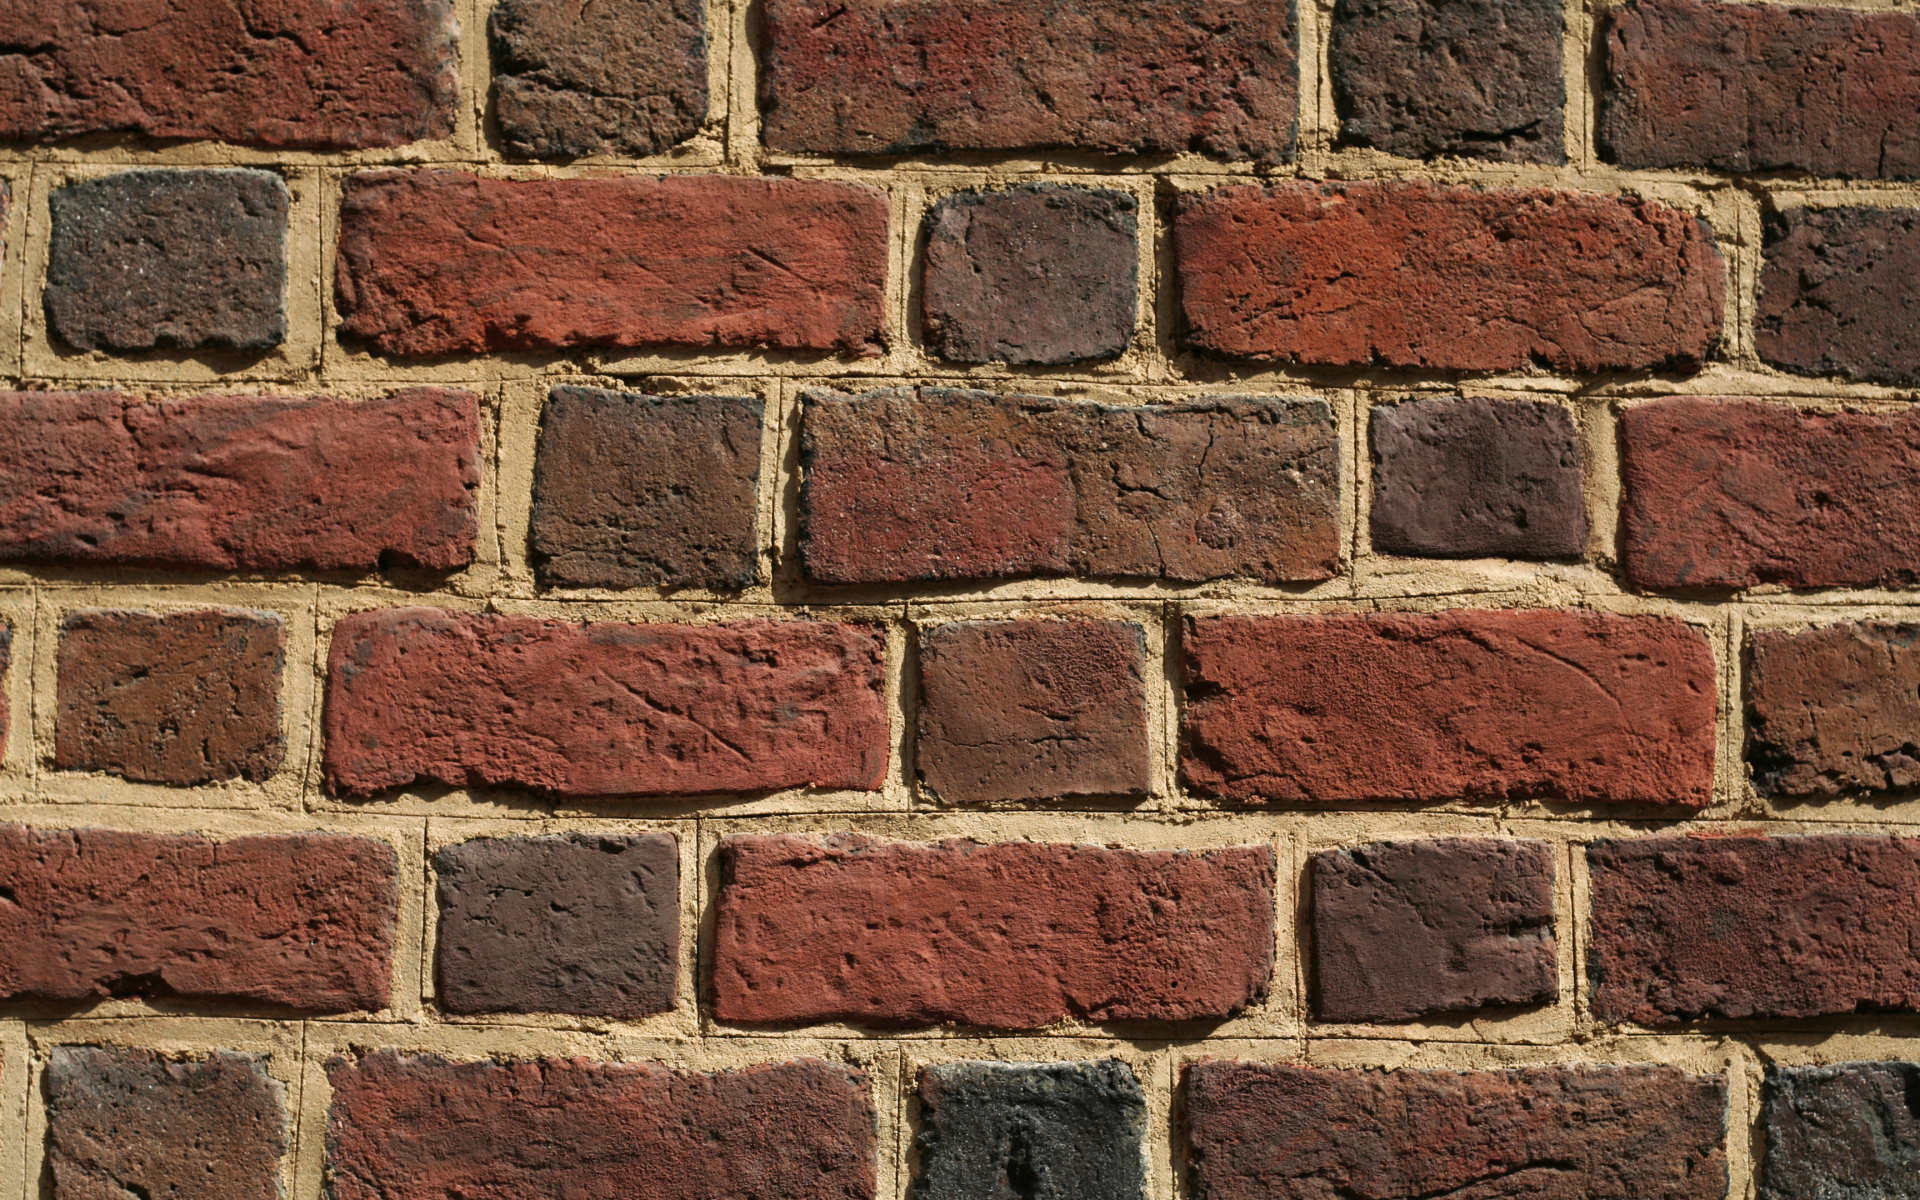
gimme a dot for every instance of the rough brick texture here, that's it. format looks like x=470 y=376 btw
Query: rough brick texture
x=1483 y=705
x=313 y=74
x=1848 y=1131
x=647 y=491
x=1073 y=1129
x=583 y=923
x=1013 y=935
x=625 y=77
x=442 y=262
x=1688 y=927
x=6 y=662
x=1444 y=925
x=224 y=483
x=1761 y=87
x=124 y=1122
x=181 y=698
x=1150 y=77
x=301 y=920
x=182 y=260
x=1479 y=78
x=1733 y=493
x=420 y=695
x=1273 y=1132
x=1840 y=293
x=1038 y=274
x=1032 y=710
x=416 y=1127
x=1416 y=274
x=1478 y=476
x=1834 y=710
x=931 y=483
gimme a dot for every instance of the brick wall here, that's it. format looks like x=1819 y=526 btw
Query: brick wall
x=959 y=598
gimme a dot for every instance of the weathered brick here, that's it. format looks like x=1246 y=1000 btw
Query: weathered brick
x=302 y=920
x=181 y=698
x=1734 y=493
x=1441 y=925
x=416 y=1127
x=624 y=77
x=1032 y=710
x=442 y=262
x=1480 y=78
x=1037 y=273
x=1477 y=477
x=1014 y=935
x=1689 y=927
x=1837 y=293
x=1151 y=77
x=6 y=662
x=996 y=1129
x=1586 y=707
x=1761 y=87
x=584 y=923
x=602 y=709
x=184 y=260
x=933 y=483
x=123 y=1122
x=647 y=491
x=1416 y=274
x=318 y=74
x=1261 y=1131
x=1849 y=1131
x=224 y=483
x=1834 y=709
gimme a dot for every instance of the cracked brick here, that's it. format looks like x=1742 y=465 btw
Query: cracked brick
x=1834 y=710
x=1071 y=1128
x=1848 y=1131
x=1838 y=294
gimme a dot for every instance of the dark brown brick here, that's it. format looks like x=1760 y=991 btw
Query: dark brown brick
x=1037 y=273
x=987 y=1128
x=1834 y=710
x=182 y=698
x=6 y=662
x=1443 y=925
x=1032 y=710
x=1850 y=1131
x=1840 y=293
x=647 y=491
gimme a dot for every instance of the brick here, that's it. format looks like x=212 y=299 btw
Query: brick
x=318 y=75
x=1837 y=294
x=1833 y=710
x=1155 y=77
x=416 y=1127
x=1014 y=935
x=625 y=77
x=1442 y=925
x=1261 y=1131
x=932 y=483
x=1426 y=275
x=125 y=1122
x=1477 y=477
x=1690 y=927
x=1038 y=274
x=224 y=483
x=1422 y=78
x=302 y=920
x=1734 y=493
x=442 y=262
x=647 y=491
x=180 y=698
x=1032 y=710
x=996 y=1129
x=582 y=923
x=6 y=661
x=182 y=260
x=603 y=709
x=1738 y=87
x=1843 y=1132
x=1535 y=704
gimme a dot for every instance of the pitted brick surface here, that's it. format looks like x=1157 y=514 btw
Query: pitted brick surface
x=1849 y=1131
x=1834 y=710
x=1840 y=293
x=1060 y=1129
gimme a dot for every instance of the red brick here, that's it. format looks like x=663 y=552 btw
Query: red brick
x=416 y=1127
x=303 y=920
x=1834 y=709
x=441 y=262
x=608 y=709
x=1014 y=935
x=317 y=74
x=1417 y=274
x=224 y=483
x=1733 y=493
x=1481 y=705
